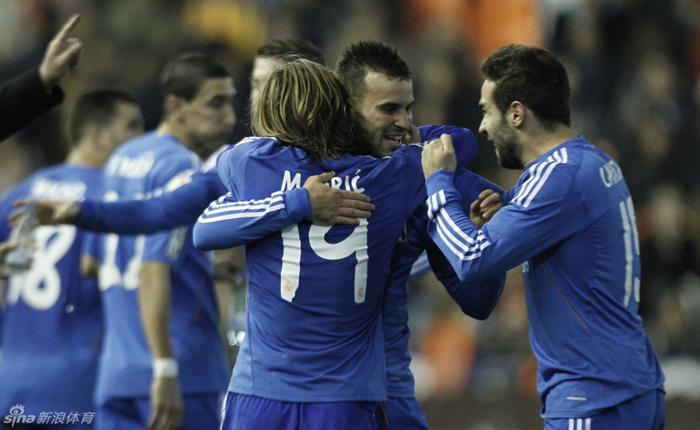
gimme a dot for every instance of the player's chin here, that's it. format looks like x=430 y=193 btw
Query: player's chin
x=390 y=146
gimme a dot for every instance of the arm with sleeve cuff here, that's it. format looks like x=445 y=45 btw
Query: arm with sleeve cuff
x=513 y=235
x=476 y=300
x=246 y=221
x=171 y=209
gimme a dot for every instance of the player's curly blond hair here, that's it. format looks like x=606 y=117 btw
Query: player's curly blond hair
x=305 y=105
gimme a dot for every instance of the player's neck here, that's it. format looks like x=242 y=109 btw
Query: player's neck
x=83 y=156
x=540 y=141
x=169 y=127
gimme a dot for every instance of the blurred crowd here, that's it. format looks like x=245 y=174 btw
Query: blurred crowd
x=634 y=66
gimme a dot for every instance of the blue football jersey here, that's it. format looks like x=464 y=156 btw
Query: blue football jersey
x=570 y=222
x=52 y=326
x=141 y=167
x=290 y=207
x=313 y=321
x=161 y=210
x=477 y=300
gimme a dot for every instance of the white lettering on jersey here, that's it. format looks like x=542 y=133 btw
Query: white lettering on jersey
x=610 y=173
x=348 y=182
x=64 y=191
x=130 y=168
x=288 y=183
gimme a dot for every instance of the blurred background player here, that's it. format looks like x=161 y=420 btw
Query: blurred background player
x=163 y=363
x=52 y=321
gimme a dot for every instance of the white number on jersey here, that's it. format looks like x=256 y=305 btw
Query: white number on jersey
x=354 y=244
x=40 y=286
x=629 y=224
x=109 y=273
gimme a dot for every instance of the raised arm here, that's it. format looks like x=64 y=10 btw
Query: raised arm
x=477 y=300
x=228 y=223
x=516 y=233
x=165 y=211
x=36 y=91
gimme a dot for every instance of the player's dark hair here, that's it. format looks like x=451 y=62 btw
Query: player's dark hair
x=184 y=75
x=533 y=76
x=280 y=48
x=95 y=105
x=305 y=105
x=363 y=57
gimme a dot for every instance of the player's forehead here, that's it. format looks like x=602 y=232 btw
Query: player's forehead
x=127 y=111
x=380 y=89
x=216 y=87
x=487 y=93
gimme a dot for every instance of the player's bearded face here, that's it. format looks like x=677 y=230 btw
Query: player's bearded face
x=495 y=126
x=387 y=106
x=508 y=150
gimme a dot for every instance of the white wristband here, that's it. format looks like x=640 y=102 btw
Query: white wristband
x=165 y=368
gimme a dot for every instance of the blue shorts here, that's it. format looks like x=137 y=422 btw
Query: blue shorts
x=401 y=413
x=244 y=412
x=646 y=412
x=202 y=411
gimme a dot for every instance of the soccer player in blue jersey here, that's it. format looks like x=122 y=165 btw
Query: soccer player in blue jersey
x=162 y=351
x=570 y=223
x=52 y=321
x=313 y=355
x=380 y=85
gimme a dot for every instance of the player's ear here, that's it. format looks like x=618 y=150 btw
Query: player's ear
x=516 y=114
x=173 y=107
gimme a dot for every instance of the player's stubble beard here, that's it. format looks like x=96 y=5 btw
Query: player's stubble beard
x=508 y=149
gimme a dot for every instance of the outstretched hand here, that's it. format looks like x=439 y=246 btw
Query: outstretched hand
x=62 y=55
x=49 y=212
x=333 y=206
x=483 y=208
x=439 y=155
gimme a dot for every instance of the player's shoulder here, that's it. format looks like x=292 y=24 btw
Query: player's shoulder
x=138 y=142
x=433 y=132
x=250 y=147
x=578 y=161
x=409 y=154
x=210 y=163
x=561 y=162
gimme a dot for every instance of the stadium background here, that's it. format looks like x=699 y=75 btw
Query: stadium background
x=634 y=66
